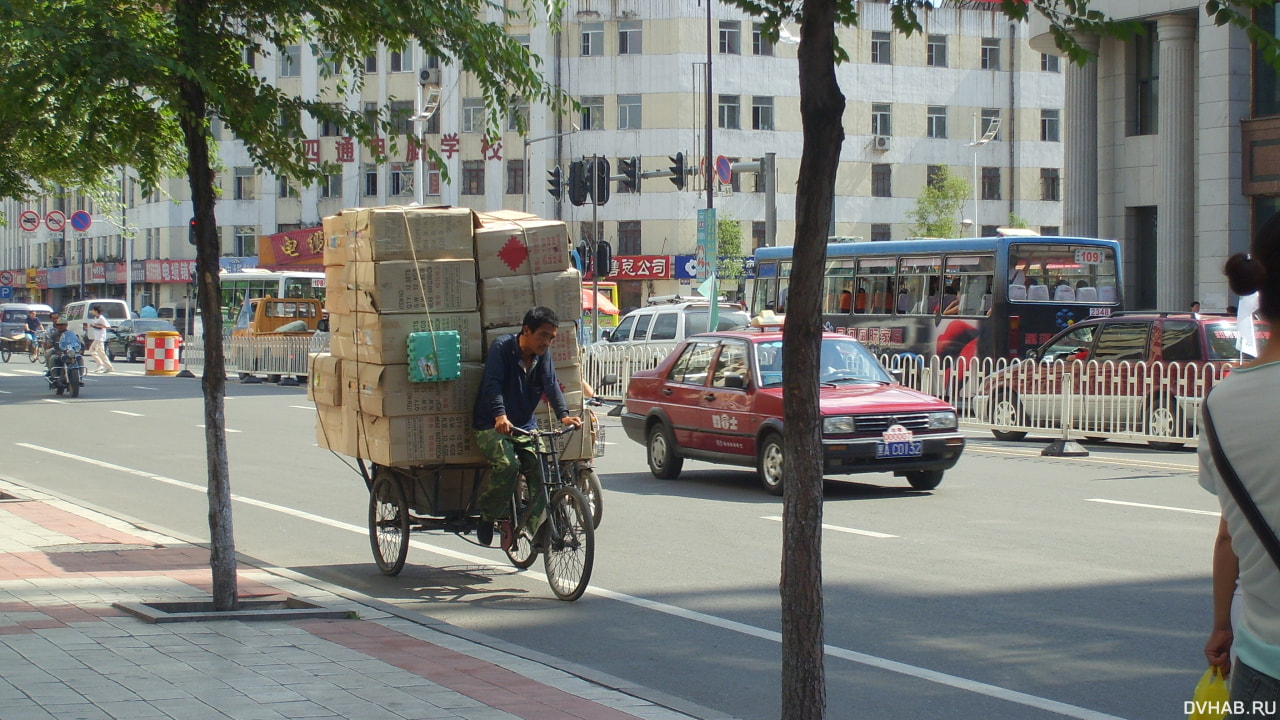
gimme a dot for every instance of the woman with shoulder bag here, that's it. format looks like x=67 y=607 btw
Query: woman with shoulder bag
x=1238 y=461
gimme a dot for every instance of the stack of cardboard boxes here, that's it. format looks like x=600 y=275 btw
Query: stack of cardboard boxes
x=394 y=271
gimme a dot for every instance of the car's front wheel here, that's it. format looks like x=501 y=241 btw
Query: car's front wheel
x=769 y=463
x=924 y=479
x=664 y=461
x=131 y=355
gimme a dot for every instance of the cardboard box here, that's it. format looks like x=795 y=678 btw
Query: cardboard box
x=331 y=431
x=385 y=391
x=564 y=351
x=336 y=239
x=505 y=300
x=524 y=247
x=383 y=339
x=335 y=296
x=324 y=379
x=409 y=233
x=414 y=439
x=570 y=378
x=400 y=287
x=578 y=445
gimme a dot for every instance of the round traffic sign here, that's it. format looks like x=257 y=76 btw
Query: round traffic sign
x=81 y=220
x=55 y=220
x=6 y=278
x=29 y=220
x=724 y=169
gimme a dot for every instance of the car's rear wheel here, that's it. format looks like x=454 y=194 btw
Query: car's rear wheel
x=664 y=462
x=1162 y=421
x=769 y=463
x=1007 y=412
x=924 y=479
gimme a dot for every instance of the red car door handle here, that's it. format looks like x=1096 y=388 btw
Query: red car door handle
x=709 y=397
x=666 y=391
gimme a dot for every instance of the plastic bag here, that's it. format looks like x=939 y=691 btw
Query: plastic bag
x=1211 y=699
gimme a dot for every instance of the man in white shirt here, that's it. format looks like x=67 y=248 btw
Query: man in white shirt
x=97 y=330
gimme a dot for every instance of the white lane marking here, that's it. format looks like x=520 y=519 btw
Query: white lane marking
x=125 y=412
x=1214 y=513
x=223 y=429
x=837 y=528
x=926 y=674
x=60 y=402
x=5 y=392
x=142 y=387
x=303 y=407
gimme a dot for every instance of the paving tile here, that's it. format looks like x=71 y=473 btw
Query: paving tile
x=130 y=709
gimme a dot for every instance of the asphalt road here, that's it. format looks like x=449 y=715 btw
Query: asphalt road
x=1023 y=587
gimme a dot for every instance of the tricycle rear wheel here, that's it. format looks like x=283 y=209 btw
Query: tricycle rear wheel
x=388 y=523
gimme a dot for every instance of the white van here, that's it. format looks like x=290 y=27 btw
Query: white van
x=77 y=313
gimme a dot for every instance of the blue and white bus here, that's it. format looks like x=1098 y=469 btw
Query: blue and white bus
x=968 y=297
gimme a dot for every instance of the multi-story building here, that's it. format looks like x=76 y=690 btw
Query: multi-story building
x=638 y=70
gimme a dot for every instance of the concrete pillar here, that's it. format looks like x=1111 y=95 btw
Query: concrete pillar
x=1080 y=146
x=1175 y=218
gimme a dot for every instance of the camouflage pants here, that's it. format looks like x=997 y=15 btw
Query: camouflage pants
x=508 y=456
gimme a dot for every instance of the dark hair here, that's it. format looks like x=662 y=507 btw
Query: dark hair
x=539 y=316
x=1259 y=271
x=97 y=309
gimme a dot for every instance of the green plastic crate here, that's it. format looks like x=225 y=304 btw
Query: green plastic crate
x=435 y=356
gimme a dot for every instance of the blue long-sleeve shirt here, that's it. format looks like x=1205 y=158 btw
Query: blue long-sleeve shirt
x=507 y=389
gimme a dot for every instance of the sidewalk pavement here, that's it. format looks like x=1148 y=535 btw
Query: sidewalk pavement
x=66 y=652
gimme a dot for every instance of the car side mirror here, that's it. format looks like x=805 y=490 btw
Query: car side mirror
x=608 y=380
x=1032 y=354
x=735 y=382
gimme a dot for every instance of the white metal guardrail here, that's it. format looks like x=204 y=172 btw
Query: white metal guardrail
x=603 y=359
x=278 y=356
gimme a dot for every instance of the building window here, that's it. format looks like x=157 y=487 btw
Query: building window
x=991 y=118
x=1144 y=95
x=881 y=119
x=990 y=183
x=881 y=232
x=761 y=113
x=936 y=121
x=285 y=188
x=630 y=41
x=401 y=115
x=730 y=37
x=327 y=66
x=592 y=39
x=760 y=45
x=881 y=49
x=1049 y=125
x=371 y=116
x=246 y=241
x=730 y=111
x=401 y=177
x=1050 y=63
x=1050 y=184
x=1050 y=230
x=246 y=186
x=758 y=236
x=990 y=53
x=936 y=51
x=400 y=60
x=932 y=173
x=518 y=114
x=515 y=177
x=291 y=61
x=371 y=64
x=331 y=186
x=881 y=177
x=472 y=177
x=433 y=179
x=592 y=112
x=629 y=116
x=629 y=237
x=329 y=128
x=472 y=115
x=1266 y=82
x=370 y=180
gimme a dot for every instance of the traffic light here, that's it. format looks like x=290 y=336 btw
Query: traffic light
x=191 y=231
x=630 y=169
x=556 y=182
x=677 y=170
x=579 y=186
x=604 y=260
x=600 y=181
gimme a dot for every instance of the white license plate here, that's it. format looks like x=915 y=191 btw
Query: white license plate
x=902 y=449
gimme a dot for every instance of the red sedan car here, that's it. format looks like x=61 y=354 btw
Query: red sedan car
x=718 y=397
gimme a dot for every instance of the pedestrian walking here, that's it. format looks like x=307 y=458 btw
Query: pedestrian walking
x=97 y=332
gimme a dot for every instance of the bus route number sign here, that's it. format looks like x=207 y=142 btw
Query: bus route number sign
x=1088 y=256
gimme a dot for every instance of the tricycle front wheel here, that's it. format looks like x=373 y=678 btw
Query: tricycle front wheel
x=570 y=544
x=388 y=523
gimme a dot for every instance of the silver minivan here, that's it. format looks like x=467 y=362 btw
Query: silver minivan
x=13 y=317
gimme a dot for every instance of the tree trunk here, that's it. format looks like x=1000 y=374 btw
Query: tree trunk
x=804 y=691
x=222 y=545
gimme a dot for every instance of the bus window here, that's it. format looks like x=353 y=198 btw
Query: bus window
x=1066 y=273
x=837 y=298
x=876 y=275
x=918 y=285
x=968 y=281
x=784 y=284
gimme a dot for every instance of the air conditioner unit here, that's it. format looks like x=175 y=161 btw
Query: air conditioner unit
x=429 y=76
x=880 y=142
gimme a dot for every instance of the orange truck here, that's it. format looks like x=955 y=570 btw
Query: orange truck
x=271 y=335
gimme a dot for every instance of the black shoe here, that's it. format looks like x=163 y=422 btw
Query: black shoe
x=484 y=533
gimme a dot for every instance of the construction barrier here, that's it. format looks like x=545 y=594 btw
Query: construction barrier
x=162 y=352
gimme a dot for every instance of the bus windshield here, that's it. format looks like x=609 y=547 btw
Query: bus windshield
x=1062 y=273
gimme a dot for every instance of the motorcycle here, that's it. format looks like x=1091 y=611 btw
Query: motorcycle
x=67 y=371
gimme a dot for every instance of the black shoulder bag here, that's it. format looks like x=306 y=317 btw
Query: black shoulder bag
x=1259 y=524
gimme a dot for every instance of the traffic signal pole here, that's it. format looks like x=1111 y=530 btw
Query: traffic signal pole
x=595 y=247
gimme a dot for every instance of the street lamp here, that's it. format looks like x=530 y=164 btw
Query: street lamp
x=524 y=199
x=987 y=137
x=428 y=101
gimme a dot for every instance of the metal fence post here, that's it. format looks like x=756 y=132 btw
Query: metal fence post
x=1065 y=446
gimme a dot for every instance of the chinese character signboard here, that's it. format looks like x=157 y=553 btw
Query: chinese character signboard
x=294 y=249
x=641 y=267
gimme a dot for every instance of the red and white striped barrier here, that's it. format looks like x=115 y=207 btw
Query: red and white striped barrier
x=163 y=350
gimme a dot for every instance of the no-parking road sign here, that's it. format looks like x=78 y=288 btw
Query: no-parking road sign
x=81 y=220
x=55 y=220
x=29 y=220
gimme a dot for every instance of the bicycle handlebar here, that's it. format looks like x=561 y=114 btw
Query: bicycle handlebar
x=544 y=433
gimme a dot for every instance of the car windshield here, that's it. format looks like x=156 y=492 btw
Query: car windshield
x=840 y=362
x=1222 y=339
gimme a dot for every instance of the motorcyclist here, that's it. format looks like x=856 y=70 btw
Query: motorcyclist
x=54 y=340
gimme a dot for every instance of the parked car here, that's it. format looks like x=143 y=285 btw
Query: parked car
x=129 y=338
x=718 y=397
x=1130 y=372
x=672 y=319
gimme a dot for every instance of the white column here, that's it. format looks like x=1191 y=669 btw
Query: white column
x=1080 y=162
x=1175 y=218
